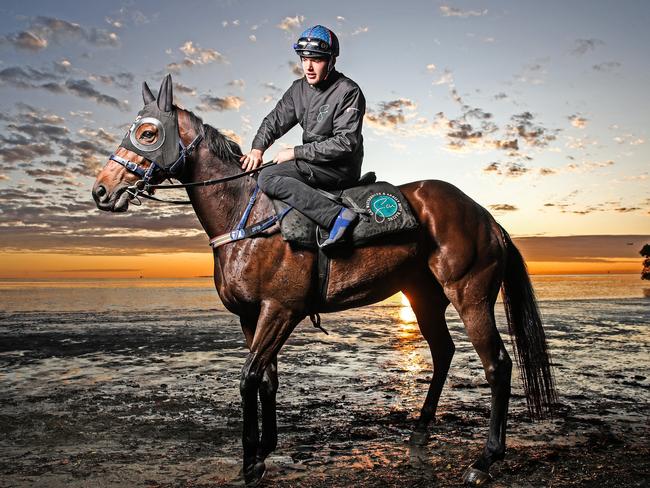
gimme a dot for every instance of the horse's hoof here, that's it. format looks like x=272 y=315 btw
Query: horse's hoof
x=253 y=476
x=476 y=477
x=419 y=438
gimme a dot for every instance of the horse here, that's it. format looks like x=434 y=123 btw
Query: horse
x=459 y=255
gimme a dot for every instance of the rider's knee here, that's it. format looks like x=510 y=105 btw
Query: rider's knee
x=265 y=177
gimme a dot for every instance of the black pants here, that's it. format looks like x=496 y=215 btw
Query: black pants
x=293 y=182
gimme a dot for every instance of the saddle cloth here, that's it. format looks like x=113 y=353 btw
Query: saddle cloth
x=387 y=212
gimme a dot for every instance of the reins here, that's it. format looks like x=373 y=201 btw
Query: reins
x=215 y=181
x=142 y=188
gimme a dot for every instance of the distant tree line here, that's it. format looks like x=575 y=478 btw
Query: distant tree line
x=645 y=252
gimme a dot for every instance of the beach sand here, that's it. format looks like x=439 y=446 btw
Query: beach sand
x=152 y=399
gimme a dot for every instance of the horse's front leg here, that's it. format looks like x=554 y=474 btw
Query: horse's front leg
x=274 y=326
x=268 y=390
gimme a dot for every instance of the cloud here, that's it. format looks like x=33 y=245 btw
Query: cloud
x=582 y=46
x=83 y=89
x=31 y=78
x=24 y=152
x=31 y=222
x=291 y=23
x=231 y=134
x=568 y=205
x=447 y=78
x=271 y=86
x=532 y=73
x=503 y=207
x=359 y=30
x=580 y=248
x=184 y=89
x=26 y=40
x=390 y=114
x=32 y=115
x=630 y=139
x=587 y=166
x=431 y=67
x=39 y=131
x=32 y=134
x=241 y=84
x=115 y=23
x=523 y=126
x=43 y=31
x=25 y=76
x=512 y=144
x=578 y=121
x=448 y=11
x=63 y=66
x=200 y=55
x=296 y=69
x=98 y=134
x=210 y=103
x=607 y=66
x=252 y=38
x=124 y=80
x=508 y=170
x=196 y=56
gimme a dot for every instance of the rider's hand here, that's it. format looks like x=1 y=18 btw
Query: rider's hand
x=252 y=160
x=284 y=155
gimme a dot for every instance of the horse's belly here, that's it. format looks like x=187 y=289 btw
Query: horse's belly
x=368 y=275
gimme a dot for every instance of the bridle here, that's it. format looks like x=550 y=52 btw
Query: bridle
x=143 y=187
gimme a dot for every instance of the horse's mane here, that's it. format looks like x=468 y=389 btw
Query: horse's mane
x=220 y=145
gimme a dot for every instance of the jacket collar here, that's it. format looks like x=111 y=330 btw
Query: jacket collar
x=327 y=82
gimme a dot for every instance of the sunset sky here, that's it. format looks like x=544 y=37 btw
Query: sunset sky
x=537 y=110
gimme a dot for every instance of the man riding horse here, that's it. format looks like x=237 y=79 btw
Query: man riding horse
x=458 y=254
x=329 y=107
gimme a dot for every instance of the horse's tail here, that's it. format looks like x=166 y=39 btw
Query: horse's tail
x=527 y=333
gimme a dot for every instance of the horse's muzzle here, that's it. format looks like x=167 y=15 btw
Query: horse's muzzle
x=118 y=201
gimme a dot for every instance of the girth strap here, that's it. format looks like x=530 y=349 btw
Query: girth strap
x=238 y=235
x=242 y=232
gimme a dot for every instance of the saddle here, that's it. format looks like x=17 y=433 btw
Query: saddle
x=382 y=209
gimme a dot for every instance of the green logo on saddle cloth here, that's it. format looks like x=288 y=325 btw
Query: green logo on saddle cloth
x=384 y=206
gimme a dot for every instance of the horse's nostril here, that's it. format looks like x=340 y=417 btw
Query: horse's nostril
x=100 y=194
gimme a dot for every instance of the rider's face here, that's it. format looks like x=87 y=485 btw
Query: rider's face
x=315 y=69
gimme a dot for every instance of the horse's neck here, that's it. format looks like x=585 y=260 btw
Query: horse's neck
x=218 y=207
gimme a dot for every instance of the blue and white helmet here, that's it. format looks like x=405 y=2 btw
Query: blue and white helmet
x=317 y=42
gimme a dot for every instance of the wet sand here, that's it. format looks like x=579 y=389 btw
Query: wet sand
x=152 y=399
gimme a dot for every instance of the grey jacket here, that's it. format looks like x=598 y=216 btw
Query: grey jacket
x=331 y=115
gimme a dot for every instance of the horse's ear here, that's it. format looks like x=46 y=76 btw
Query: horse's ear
x=147 y=96
x=166 y=95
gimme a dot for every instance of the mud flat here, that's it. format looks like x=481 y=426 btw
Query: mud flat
x=152 y=399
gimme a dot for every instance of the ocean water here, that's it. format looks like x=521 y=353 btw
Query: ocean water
x=91 y=366
x=131 y=294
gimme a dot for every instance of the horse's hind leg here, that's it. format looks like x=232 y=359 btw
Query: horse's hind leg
x=429 y=304
x=474 y=298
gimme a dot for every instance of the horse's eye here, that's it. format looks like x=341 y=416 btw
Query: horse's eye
x=148 y=134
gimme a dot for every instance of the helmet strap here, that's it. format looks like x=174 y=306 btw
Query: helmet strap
x=330 y=65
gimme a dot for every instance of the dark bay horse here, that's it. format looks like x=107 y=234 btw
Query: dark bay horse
x=459 y=255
